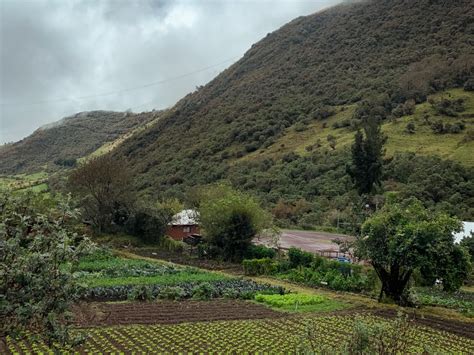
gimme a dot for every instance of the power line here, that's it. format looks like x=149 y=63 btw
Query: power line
x=116 y=92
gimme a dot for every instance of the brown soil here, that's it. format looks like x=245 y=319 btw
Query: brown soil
x=168 y=312
x=463 y=329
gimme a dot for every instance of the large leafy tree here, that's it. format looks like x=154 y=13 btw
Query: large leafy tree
x=230 y=219
x=38 y=250
x=398 y=239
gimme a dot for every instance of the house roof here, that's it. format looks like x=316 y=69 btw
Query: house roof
x=185 y=218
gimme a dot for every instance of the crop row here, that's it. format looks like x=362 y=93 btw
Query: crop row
x=271 y=336
x=231 y=288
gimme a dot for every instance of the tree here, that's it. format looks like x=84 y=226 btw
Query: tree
x=398 y=239
x=149 y=222
x=103 y=184
x=468 y=244
x=230 y=220
x=38 y=251
x=367 y=156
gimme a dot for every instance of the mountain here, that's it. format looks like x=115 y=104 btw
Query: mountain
x=375 y=57
x=62 y=143
x=279 y=123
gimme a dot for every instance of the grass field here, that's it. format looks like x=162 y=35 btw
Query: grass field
x=423 y=141
x=22 y=182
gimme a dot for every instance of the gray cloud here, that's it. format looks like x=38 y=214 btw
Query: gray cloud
x=53 y=53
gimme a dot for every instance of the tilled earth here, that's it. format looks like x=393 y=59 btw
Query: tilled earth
x=168 y=312
x=174 y=312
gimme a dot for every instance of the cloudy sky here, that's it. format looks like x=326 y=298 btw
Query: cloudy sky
x=60 y=57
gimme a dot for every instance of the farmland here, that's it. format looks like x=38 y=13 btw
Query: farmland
x=227 y=314
x=284 y=334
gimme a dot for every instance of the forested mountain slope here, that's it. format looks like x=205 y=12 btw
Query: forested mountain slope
x=61 y=143
x=378 y=57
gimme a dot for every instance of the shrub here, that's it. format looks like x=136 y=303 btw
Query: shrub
x=169 y=244
x=203 y=291
x=410 y=128
x=265 y=266
x=141 y=293
x=448 y=107
x=231 y=220
x=38 y=252
x=298 y=257
x=259 y=252
x=171 y=293
x=147 y=223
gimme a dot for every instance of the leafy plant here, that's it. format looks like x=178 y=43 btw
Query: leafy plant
x=38 y=251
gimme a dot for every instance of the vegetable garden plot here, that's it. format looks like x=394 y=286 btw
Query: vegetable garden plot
x=107 y=277
x=269 y=335
x=169 y=312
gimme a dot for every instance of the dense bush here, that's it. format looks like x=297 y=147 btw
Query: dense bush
x=298 y=257
x=38 y=252
x=259 y=252
x=448 y=107
x=230 y=220
x=148 y=223
x=313 y=270
x=169 y=244
x=265 y=266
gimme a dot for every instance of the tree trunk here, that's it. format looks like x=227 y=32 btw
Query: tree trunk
x=394 y=283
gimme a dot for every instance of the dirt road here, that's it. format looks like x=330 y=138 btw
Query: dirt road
x=309 y=240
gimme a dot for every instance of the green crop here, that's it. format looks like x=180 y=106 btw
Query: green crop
x=282 y=335
x=290 y=299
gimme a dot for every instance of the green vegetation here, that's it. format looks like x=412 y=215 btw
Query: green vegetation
x=295 y=302
x=231 y=220
x=263 y=336
x=306 y=76
x=169 y=280
x=264 y=266
x=367 y=156
x=463 y=301
x=60 y=144
x=398 y=239
x=38 y=251
x=110 y=277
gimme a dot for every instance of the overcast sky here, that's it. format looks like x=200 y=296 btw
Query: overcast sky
x=62 y=57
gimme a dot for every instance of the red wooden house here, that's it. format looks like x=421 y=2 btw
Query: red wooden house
x=183 y=224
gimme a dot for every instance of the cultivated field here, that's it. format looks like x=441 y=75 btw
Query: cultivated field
x=281 y=334
x=144 y=306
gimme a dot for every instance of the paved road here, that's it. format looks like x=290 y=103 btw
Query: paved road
x=309 y=240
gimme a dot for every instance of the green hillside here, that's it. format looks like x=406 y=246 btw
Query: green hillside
x=60 y=144
x=387 y=52
x=263 y=124
x=303 y=139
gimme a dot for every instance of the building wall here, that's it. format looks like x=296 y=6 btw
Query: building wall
x=179 y=232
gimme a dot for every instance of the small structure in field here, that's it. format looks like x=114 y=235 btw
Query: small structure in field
x=183 y=224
